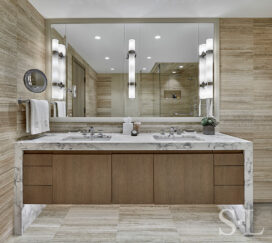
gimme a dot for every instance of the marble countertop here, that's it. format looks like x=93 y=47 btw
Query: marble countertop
x=144 y=141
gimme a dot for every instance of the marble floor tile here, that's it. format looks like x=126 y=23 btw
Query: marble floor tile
x=139 y=224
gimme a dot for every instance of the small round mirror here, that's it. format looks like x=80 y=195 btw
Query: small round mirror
x=35 y=80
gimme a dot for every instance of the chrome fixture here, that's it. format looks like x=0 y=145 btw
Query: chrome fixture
x=91 y=131
x=179 y=131
x=131 y=56
x=100 y=134
x=172 y=131
x=162 y=132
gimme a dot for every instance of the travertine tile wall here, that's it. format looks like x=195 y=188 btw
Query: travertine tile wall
x=22 y=46
x=30 y=54
x=246 y=97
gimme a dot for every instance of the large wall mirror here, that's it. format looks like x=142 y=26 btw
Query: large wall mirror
x=134 y=69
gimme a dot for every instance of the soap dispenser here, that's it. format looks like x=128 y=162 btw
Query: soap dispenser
x=127 y=126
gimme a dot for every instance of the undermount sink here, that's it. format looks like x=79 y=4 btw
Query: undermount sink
x=87 y=138
x=177 y=138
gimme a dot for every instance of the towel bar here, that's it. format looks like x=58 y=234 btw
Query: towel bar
x=21 y=101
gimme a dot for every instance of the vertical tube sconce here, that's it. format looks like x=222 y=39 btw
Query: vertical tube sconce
x=131 y=69
x=209 y=60
x=62 y=63
x=206 y=75
x=202 y=70
x=209 y=69
x=58 y=69
x=55 y=60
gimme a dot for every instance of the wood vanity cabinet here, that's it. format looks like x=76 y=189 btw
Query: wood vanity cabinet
x=228 y=178
x=37 y=179
x=81 y=178
x=170 y=177
x=132 y=178
x=183 y=178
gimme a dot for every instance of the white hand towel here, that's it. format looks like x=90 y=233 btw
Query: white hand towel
x=61 y=108
x=54 y=109
x=39 y=116
x=27 y=117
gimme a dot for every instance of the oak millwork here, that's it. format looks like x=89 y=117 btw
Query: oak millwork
x=36 y=176
x=37 y=160
x=229 y=159
x=183 y=178
x=229 y=195
x=81 y=179
x=85 y=177
x=132 y=178
x=37 y=194
x=229 y=175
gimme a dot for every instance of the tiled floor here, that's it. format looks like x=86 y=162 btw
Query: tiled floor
x=134 y=223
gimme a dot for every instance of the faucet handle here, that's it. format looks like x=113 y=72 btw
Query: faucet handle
x=172 y=130
x=100 y=133
x=162 y=132
x=91 y=130
x=179 y=131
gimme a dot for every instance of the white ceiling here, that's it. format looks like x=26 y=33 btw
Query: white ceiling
x=152 y=8
x=178 y=44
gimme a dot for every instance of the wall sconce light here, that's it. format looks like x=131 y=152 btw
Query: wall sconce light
x=55 y=60
x=206 y=75
x=209 y=60
x=58 y=69
x=131 y=56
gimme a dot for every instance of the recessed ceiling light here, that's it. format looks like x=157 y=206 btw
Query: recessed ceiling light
x=144 y=68
x=157 y=37
x=180 y=67
x=97 y=37
x=112 y=69
x=148 y=57
x=174 y=72
x=107 y=58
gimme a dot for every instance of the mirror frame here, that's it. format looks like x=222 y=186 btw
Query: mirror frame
x=40 y=89
x=214 y=21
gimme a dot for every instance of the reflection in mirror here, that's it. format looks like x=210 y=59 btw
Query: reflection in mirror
x=138 y=70
x=35 y=80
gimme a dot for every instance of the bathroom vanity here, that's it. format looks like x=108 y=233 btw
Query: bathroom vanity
x=70 y=168
x=160 y=177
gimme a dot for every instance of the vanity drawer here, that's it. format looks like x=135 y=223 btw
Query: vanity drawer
x=37 y=160
x=38 y=194
x=229 y=175
x=229 y=159
x=37 y=176
x=229 y=195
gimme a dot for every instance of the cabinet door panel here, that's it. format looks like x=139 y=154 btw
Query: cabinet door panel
x=37 y=194
x=132 y=178
x=229 y=195
x=37 y=176
x=37 y=159
x=183 y=178
x=81 y=179
x=229 y=159
x=229 y=175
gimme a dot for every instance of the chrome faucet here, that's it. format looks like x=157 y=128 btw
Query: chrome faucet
x=172 y=131
x=91 y=130
x=100 y=133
